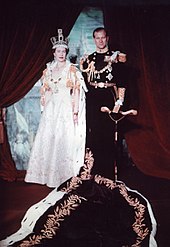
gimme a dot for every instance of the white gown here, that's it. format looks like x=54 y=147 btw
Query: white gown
x=59 y=146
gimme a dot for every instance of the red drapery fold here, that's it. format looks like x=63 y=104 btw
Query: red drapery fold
x=142 y=32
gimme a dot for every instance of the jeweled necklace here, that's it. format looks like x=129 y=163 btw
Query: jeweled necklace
x=54 y=80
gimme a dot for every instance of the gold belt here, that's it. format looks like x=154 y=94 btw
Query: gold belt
x=102 y=84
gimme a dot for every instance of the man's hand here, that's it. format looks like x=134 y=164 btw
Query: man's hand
x=116 y=109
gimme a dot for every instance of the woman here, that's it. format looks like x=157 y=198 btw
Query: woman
x=58 y=149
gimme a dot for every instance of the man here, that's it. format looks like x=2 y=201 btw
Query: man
x=104 y=71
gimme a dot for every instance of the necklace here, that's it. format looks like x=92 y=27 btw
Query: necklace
x=56 y=76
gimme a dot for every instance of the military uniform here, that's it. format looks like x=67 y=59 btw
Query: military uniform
x=106 y=82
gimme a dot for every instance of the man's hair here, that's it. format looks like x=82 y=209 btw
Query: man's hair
x=98 y=29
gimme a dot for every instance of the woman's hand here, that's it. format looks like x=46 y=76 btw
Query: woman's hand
x=75 y=117
x=42 y=100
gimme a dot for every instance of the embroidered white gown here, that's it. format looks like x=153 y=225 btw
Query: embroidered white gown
x=59 y=146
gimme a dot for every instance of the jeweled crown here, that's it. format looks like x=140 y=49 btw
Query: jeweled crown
x=59 y=40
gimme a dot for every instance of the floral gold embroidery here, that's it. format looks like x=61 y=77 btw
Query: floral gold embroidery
x=54 y=220
x=89 y=160
x=64 y=209
x=73 y=68
x=107 y=182
x=69 y=83
x=138 y=226
x=72 y=185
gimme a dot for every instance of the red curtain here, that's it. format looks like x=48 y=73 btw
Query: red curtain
x=140 y=30
x=143 y=33
x=25 y=49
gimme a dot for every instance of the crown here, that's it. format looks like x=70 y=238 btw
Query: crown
x=59 y=40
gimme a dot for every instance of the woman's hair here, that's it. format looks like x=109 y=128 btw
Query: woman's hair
x=67 y=50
